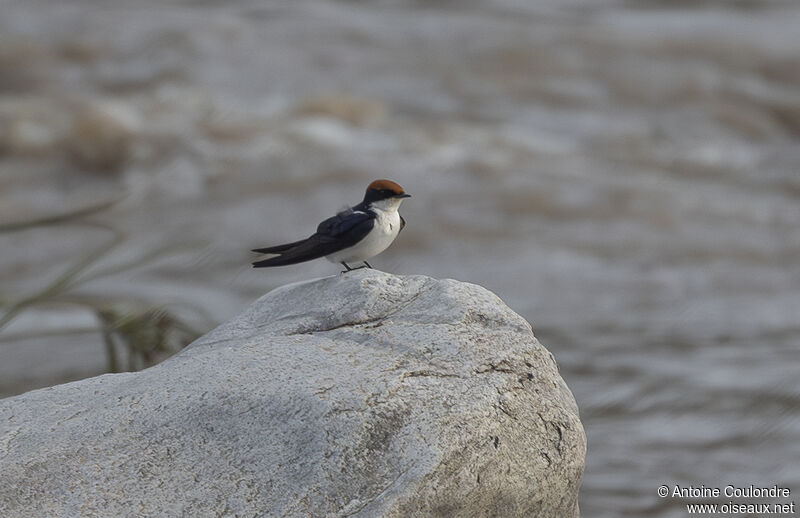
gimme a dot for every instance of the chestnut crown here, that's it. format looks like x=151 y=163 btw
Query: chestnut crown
x=384 y=189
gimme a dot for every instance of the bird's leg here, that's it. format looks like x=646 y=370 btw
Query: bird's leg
x=369 y=265
x=345 y=265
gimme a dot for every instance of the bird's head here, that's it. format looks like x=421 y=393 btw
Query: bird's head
x=384 y=194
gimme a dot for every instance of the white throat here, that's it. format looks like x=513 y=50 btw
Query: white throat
x=387 y=205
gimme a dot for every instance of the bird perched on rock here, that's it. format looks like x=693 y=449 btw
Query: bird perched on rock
x=353 y=235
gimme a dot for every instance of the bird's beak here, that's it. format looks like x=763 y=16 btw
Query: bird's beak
x=404 y=195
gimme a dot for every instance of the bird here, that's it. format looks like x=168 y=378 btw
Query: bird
x=353 y=235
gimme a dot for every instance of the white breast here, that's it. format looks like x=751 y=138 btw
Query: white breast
x=384 y=231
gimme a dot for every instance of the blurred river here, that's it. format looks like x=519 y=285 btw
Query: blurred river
x=624 y=174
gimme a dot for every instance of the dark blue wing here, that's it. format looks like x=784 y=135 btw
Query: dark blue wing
x=349 y=225
x=337 y=233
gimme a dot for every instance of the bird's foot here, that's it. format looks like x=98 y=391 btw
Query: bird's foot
x=349 y=269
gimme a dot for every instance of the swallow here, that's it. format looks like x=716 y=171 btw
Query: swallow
x=353 y=235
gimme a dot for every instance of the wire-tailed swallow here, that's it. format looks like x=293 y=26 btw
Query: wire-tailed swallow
x=353 y=235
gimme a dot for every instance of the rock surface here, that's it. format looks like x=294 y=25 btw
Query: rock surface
x=358 y=395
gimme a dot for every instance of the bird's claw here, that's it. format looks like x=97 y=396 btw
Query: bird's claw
x=365 y=265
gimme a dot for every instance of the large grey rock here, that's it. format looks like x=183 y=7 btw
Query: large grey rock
x=358 y=395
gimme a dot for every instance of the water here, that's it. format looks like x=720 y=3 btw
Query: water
x=623 y=174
